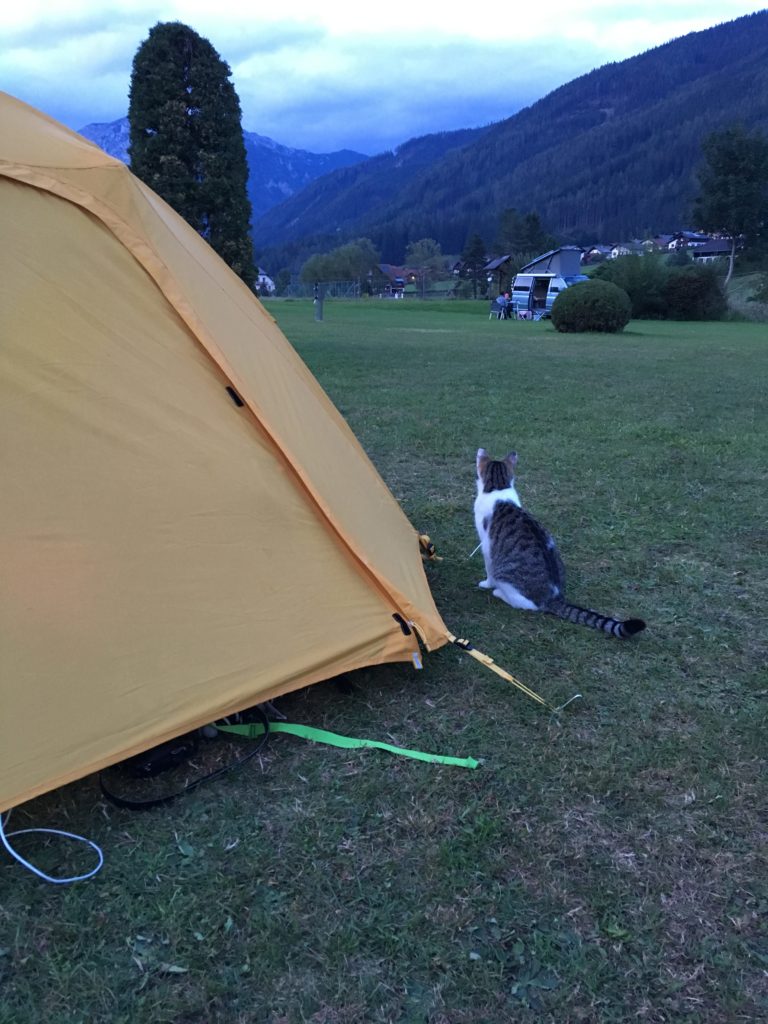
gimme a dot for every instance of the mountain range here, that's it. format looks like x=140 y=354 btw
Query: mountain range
x=609 y=156
x=275 y=172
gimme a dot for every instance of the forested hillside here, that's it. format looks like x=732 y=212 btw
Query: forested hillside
x=331 y=207
x=610 y=155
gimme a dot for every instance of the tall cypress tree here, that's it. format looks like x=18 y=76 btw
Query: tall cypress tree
x=186 y=139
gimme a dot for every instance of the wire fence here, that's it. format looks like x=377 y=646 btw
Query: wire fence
x=356 y=289
x=324 y=289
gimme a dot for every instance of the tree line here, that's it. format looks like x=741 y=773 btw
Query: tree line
x=521 y=236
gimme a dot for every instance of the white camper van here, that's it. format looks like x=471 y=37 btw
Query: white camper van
x=538 y=284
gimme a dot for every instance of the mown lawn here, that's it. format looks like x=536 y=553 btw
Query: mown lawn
x=605 y=867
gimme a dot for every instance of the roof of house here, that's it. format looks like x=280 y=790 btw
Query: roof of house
x=691 y=236
x=714 y=245
x=499 y=261
x=393 y=272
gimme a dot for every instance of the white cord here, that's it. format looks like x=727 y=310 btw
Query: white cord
x=54 y=832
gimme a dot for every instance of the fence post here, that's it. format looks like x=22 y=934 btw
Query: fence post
x=318 y=302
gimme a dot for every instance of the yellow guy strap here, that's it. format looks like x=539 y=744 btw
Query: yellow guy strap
x=428 y=549
x=465 y=645
x=428 y=552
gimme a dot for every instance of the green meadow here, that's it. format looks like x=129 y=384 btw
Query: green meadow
x=605 y=865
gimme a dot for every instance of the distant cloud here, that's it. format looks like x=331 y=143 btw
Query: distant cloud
x=338 y=74
x=366 y=100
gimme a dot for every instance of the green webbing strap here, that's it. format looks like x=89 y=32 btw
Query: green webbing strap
x=254 y=729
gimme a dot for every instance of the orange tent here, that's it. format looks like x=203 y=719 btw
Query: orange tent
x=187 y=524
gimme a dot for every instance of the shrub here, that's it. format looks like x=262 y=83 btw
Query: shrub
x=694 y=293
x=679 y=258
x=592 y=306
x=643 y=279
x=761 y=292
x=675 y=289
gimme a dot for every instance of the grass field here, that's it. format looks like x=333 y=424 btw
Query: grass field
x=609 y=866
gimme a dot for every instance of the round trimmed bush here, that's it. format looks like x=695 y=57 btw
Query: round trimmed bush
x=592 y=306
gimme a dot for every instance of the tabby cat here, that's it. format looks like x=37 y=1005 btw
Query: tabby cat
x=522 y=564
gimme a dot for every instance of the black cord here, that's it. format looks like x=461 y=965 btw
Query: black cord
x=145 y=805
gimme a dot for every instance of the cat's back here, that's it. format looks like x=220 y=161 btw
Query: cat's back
x=523 y=552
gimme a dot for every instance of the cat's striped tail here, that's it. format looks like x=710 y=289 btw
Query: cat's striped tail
x=586 y=617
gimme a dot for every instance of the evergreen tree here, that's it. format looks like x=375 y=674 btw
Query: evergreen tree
x=282 y=281
x=734 y=186
x=508 y=232
x=473 y=260
x=186 y=140
x=522 y=237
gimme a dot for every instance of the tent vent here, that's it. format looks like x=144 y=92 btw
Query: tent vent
x=235 y=397
x=402 y=624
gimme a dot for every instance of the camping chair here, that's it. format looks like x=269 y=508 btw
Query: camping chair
x=497 y=311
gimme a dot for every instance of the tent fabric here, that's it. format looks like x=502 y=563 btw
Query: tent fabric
x=168 y=556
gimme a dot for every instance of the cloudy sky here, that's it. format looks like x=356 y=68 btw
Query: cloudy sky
x=333 y=74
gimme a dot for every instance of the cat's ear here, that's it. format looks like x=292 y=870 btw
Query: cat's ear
x=482 y=460
x=511 y=461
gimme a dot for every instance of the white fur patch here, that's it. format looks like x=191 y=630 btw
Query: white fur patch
x=487 y=500
x=506 y=592
x=484 y=506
